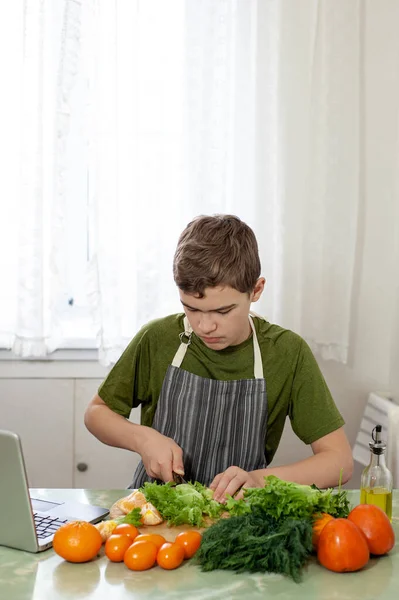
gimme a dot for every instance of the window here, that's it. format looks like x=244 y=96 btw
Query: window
x=61 y=134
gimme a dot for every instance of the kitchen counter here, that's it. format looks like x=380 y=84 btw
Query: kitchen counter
x=25 y=576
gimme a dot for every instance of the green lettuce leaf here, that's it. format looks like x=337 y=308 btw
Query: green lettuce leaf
x=133 y=518
x=186 y=503
x=283 y=499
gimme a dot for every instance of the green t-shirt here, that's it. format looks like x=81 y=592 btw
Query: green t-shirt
x=294 y=383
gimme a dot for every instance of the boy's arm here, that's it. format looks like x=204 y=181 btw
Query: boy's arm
x=159 y=453
x=332 y=453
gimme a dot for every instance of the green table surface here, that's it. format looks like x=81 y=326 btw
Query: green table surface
x=25 y=576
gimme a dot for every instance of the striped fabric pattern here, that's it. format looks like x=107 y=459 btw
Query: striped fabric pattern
x=217 y=424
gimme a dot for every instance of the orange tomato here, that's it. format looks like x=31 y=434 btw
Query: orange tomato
x=116 y=546
x=155 y=538
x=77 y=541
x=376 y=527
x=190 y=541
x=170 y=556
x=342 y=546
x=140 y=556
x=318 y=525
x=127 y=529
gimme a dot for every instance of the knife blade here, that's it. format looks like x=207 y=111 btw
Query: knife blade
x=178 y=479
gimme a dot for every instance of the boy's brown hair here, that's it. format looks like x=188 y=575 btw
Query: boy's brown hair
x=216 y=250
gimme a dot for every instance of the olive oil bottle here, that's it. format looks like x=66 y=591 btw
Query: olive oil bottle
x=376 y=480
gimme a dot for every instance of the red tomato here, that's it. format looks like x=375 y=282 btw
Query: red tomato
x=127 y=529
x=140 y=556
x=376 y=526
x=170 y=556
x=116 y=546
x=190 y=542
x=342 y=547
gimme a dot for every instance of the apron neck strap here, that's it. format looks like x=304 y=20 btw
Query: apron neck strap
x=187 y=327
x=258 y=365
x=181 y=352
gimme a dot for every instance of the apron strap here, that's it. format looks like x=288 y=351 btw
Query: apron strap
x=258 y=365
x=181 y=352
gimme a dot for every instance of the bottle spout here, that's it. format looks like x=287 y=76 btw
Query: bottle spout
x=377 y=446
x=376 y=434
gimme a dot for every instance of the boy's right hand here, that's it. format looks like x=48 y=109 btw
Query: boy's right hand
x=160 y=455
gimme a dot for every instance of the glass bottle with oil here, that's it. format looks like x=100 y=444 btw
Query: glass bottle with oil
x=376 y=480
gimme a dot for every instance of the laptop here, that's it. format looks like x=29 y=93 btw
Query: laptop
x=30 y=523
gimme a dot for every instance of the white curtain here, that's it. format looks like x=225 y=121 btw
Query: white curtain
x=40 y=43
x=245 y=106
x=309 y=165
x=135 y=59
x=173 y=101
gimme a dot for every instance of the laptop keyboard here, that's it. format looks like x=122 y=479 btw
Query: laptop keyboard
x=46 y=525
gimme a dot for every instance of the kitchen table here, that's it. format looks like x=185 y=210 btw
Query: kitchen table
x=25 y=576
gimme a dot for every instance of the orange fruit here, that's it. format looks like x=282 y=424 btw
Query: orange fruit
x=190 y=541
x=319 y=523
x=127 y=529
x=376 y=526
x=77 y=541
x=134 y=500
x=116 y=546
x=106 y=528
x=155 y=538
x=150 y=515
x=140 y=556
x=342 y=547
x=170 y=556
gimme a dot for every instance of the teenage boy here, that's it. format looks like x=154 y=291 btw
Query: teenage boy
x=216 y=383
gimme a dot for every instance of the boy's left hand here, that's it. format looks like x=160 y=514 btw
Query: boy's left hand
x=234 y=479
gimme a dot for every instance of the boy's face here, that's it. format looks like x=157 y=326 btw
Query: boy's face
x=220 y=318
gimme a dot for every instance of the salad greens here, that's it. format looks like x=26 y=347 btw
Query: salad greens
x=133 y=518
x=270 y=529
x=184 y=503
x=188 y=503
x=284 y=499
x=257 y=541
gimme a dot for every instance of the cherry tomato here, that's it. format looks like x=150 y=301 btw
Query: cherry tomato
x=140 y=556
x=190 y=542
x=116 y=546
x=170 y=556
x=155 y=538
x=127 y=529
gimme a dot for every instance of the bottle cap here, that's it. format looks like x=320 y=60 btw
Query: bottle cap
x=377 y=446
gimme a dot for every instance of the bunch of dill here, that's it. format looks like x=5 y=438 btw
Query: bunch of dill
x=256 y=541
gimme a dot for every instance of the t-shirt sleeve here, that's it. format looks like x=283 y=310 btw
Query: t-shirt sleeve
x=127 y=384
x=312 y=411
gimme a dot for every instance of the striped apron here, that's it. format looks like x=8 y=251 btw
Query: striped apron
x=216 y=423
